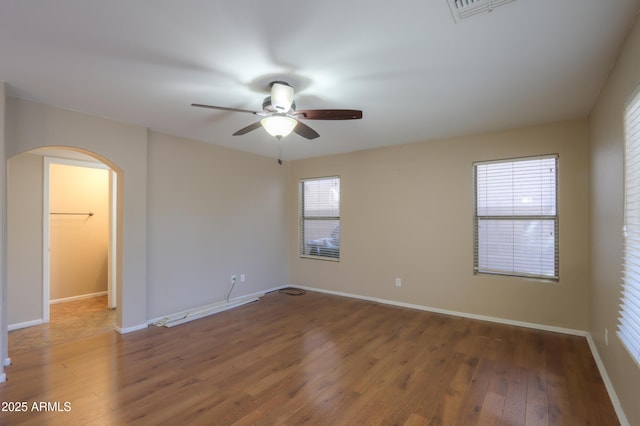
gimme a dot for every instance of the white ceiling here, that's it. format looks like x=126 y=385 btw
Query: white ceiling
x=415 y=73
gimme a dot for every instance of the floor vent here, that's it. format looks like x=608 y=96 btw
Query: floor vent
x=462 y=9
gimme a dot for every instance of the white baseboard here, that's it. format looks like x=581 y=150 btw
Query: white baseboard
x=152 y=321
x=535 y=326
x=3 y=378
x=25 y=324
x=205 y=310
x=131 y=329
x=622 y=418
x=80 y=297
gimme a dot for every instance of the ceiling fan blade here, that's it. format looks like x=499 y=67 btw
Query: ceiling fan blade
x=247 y=129
x=224 y=108
x=305 y=131
x=330 y=114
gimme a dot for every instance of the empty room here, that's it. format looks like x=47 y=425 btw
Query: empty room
x=331 y=213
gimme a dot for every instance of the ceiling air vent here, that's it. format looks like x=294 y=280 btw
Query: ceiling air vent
x=462 y=9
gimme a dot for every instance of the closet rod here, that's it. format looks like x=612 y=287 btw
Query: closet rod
x=81 y=214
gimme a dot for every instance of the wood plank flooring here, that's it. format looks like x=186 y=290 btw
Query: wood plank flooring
x=313 y=359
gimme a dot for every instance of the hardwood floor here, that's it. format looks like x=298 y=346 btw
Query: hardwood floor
x=314 y=359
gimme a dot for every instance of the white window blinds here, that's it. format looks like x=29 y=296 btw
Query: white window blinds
x=629 y=320
x=516 y=217
x=320 y=217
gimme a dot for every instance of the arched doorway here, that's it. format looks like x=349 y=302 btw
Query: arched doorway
x=28 y=182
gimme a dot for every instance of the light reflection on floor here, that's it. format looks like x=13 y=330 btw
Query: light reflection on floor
x=320 y=348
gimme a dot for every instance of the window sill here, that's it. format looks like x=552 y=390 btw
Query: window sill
x=550 y=280
x=326 y=258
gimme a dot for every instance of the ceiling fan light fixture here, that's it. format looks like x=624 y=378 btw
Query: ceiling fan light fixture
x=278 y=126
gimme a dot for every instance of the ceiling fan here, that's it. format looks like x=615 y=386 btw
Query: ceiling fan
x=281 y=117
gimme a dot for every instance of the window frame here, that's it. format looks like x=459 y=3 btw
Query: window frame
x=302 y=218
x=477 y=270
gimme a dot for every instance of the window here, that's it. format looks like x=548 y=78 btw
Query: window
x=629 y=320
x=320 y=218
x=516 y=217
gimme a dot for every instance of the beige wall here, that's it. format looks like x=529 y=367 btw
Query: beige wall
x=24 y=237
x=78 y=243
x=406 y=211
x=607 y=147
x=213 y=212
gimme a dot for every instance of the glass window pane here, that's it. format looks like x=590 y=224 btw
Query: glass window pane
x=516 y=188
x=322 y=237
x=525 y=247
x=320 y=217
x=321 y=197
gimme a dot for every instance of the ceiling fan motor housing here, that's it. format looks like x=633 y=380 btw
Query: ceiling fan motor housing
x=268 y=106
x=281 y=96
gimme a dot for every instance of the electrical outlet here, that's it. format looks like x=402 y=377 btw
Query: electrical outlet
x=398 y=282
x=233 y=279
x=242 y=278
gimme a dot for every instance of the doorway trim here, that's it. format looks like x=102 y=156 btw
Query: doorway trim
x=46 y=237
